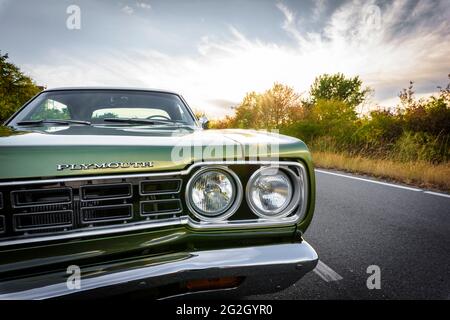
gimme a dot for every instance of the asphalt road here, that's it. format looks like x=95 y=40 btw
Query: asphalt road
x=357 y=223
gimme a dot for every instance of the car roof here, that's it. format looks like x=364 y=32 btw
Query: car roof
x=110 y=88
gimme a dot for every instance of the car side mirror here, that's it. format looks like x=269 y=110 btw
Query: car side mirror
x=204 y=122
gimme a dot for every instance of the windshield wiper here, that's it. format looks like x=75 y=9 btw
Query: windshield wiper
x=55 y=121
x=142 y=121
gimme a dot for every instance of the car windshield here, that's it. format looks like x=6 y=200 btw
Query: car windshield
x=105 y=107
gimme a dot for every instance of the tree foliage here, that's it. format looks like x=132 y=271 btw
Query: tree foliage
x=277 y=107
x=431 y=116
x=418 y=129
x=339 y=88
x=15 y=88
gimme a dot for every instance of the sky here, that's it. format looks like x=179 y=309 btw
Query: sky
x=213 y=52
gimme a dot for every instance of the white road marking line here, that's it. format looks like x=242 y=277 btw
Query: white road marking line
x=368 y=180
x=326 y=273
x=437 y=194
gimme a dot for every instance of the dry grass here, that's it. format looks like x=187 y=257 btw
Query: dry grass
x=418 y=173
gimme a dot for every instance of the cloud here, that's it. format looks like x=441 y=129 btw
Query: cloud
x=386 y=45
x=318 y=9
x=289 y=23
x=128 y=10
x=143 y=5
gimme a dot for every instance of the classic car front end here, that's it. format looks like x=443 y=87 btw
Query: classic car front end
x=100 y=201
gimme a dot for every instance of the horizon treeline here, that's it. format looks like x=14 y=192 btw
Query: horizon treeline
x=328 y=120
x=16 y=88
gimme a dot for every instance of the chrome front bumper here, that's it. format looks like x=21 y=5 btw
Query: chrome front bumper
x=264 y=269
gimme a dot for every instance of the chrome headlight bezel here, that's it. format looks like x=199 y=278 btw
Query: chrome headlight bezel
x=295 y=194
x=226 y=212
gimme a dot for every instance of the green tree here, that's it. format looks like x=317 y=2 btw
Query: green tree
x=430 y=115
x=248 y=112
x=277 y=107
x=333 y=118
x=339 y=88
x=280 y=106
x=15 y=88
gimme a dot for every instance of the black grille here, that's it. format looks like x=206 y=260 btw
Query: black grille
x=106 y=191
x=160 y=187
x=43 y=220
x=30 y=198
x=59 y=207
x=2 y=224
x=107 y=213
x=161 y=207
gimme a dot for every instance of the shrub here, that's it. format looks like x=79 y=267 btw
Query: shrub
x=421 y=146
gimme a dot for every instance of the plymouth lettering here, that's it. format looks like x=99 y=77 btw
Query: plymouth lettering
x=109 y=165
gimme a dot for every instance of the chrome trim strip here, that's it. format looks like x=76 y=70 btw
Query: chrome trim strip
x=99 y=177
x=141 y=193
x=86 y=186
x=53 y=226
x=184 y=220
x=114 y=206
x=145 y=225
x=37 y=204
x=100 y=231
x=55 y=180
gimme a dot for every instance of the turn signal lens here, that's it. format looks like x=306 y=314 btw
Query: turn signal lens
x=209 y=284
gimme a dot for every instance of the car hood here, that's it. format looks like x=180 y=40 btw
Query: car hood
x=40 y=152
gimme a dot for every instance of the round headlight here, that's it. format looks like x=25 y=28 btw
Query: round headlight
x=269 y=193
x=213 y=193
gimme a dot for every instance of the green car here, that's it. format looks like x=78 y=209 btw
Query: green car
x=122 y=192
